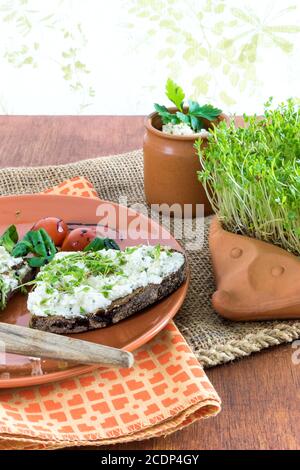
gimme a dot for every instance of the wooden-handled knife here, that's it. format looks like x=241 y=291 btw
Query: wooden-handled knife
x=35 y=343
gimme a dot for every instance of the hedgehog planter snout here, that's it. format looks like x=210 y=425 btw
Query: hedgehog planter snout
x=255 y=280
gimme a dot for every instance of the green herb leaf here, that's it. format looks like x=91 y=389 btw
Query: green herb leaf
x=194 y=115
x=165 y=115
x=37 y=242
x=175 y=94
x=21 y=249
x=196 y=123
x=38 y=261
x=194 y=107
x=96 y=245
x=206 y=111
x=183 y=118
x=9 y=238
x=35 y=238
x=102 y=244
x=111 y=244
x=48 y=242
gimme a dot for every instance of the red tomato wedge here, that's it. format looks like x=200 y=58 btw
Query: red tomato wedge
x=56 y=228
x=78 y=239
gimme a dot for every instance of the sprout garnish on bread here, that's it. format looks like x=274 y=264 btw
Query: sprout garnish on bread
x=79 y=291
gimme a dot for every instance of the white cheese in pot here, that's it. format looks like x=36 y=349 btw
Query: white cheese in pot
x=183 y=129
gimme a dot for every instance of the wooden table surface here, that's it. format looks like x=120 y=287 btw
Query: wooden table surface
x=261 y=393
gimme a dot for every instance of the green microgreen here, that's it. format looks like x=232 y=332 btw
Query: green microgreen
x=131 y=249
x=106 y=290
x=68 y=272
x=252 y=175
x=3 y=293
x=157 y=251
x=23 y=290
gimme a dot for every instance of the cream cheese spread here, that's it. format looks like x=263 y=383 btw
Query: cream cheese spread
x=12 y=272
x=7 y=262
x=78 y=283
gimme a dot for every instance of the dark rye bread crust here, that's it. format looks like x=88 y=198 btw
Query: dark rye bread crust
x=117 y=311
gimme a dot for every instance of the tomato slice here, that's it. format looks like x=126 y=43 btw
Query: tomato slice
x=56 y=228
x=78 y=239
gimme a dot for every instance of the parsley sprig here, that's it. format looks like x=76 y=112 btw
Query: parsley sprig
x=195 y=113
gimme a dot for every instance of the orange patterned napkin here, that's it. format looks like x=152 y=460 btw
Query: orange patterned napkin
x=164 y=391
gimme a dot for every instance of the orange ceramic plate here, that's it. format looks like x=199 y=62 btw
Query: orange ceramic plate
x=129 y=229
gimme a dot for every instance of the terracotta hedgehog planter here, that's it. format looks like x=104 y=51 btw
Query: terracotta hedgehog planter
x=255 y=280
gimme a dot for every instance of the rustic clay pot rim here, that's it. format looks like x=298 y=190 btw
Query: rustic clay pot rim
x=164 y=135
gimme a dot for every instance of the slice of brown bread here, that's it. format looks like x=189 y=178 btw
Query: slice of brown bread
x=118 y=310
x=28 y=277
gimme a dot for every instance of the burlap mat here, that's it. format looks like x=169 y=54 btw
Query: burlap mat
x=213 y=339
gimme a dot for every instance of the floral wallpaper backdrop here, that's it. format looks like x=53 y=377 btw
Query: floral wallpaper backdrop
x=95 y=57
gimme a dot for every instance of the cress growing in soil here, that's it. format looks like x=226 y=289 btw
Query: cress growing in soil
x=252 y=175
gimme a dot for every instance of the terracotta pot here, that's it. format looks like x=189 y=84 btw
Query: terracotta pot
x=171 y=165
x=255 y=280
